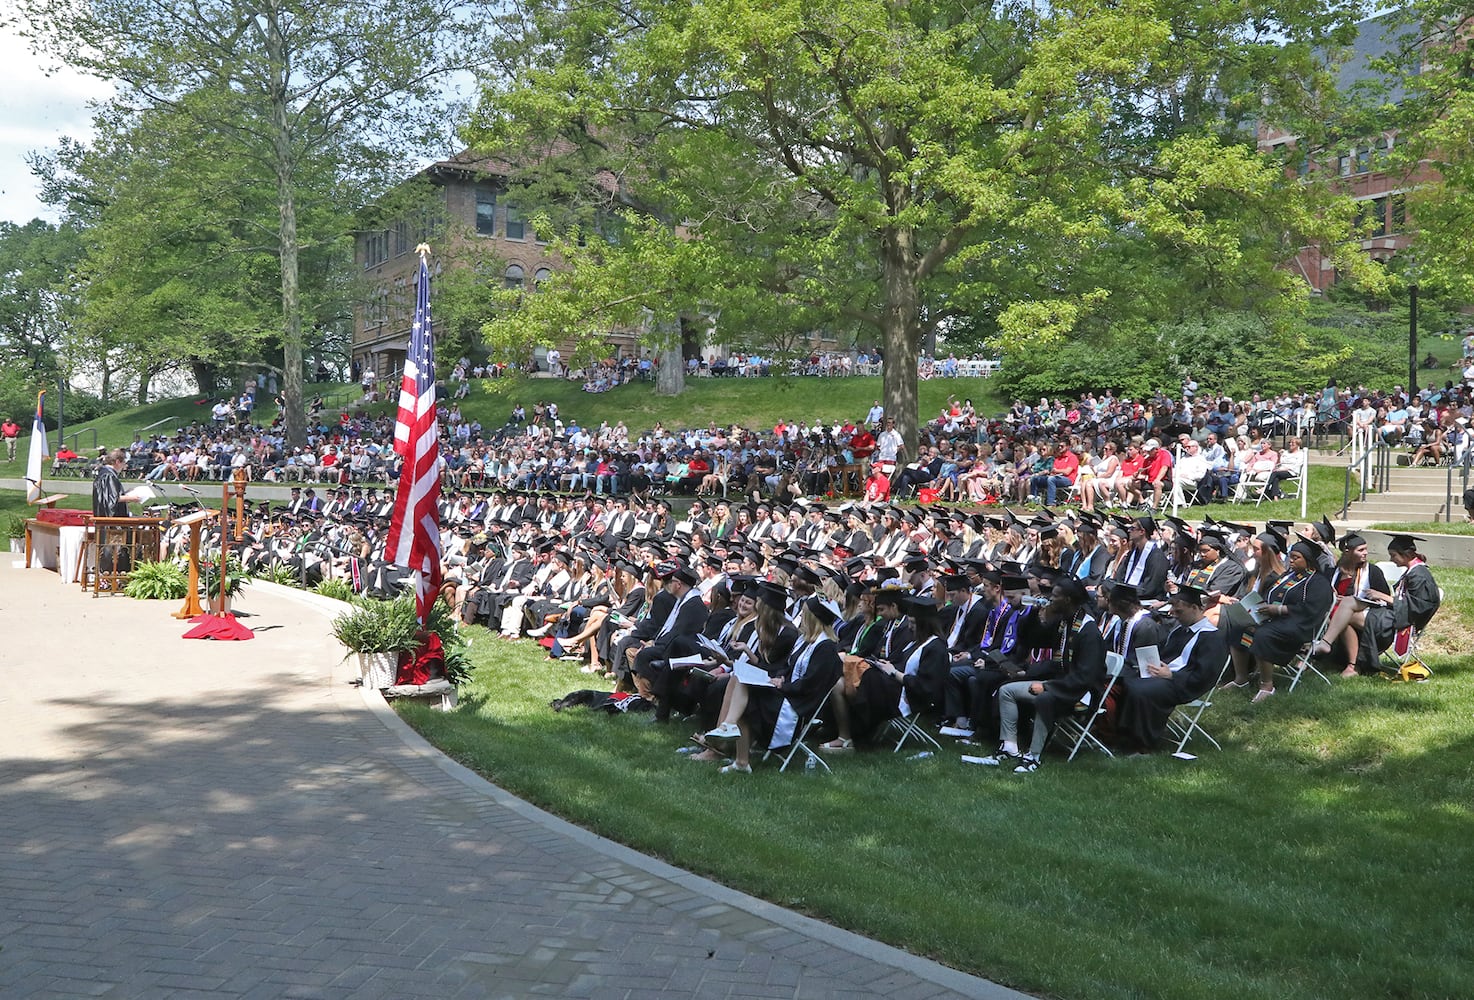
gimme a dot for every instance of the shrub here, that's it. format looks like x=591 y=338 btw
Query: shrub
x=338 y=590
x=157 y=581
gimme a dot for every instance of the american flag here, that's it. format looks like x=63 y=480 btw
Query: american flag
x=414 y=534
x=39 y=452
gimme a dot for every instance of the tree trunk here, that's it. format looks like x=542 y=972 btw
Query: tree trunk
x=670 y=376
x=291 y=302
x=205 y=377
x=900 y=334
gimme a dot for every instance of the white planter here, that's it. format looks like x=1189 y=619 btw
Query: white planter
x=378 y=669
x=18 y=546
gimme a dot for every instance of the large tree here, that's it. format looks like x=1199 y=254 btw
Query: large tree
x=892 y=169
x=280 y=84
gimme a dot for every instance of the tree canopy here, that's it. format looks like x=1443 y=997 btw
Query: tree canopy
x=314 y=106
x=885 y=170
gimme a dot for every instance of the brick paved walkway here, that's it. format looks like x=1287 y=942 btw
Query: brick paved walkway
x=183 y=819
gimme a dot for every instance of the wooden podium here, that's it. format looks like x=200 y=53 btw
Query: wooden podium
x=192 y=606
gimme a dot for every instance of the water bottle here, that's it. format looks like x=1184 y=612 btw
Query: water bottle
x=924 y=755
x=810 y=764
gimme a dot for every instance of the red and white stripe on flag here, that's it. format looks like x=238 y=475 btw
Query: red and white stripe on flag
x=414 y=533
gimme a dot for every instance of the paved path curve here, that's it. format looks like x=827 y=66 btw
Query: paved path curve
x=182 y=819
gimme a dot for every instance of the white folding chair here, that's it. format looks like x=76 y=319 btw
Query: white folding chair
x=1303 y=662
x=907 y=726
x=1289 y=489
x=800 y=735
x=1075 y=729
x=1186 y=720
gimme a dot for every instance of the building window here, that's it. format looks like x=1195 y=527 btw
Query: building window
x=1343 y=165
x=513 y=277
x=401 y=238
x=1384 y=147
x=1379 y=216
x=485 y=212
x=1364 y=160
x=516 y=228
x=1398 y=223
x=539 y=276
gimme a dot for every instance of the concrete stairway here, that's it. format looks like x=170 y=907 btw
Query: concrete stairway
x=1412 y=495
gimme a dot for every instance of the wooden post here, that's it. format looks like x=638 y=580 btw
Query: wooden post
x=192 y=606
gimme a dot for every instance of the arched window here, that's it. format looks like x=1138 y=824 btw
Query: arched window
x=540 y=275
x=514 y=276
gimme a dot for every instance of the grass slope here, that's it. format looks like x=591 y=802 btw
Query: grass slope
x=1311 y=858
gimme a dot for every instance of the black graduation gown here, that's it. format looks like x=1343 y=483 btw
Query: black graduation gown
x=1308 y=600
x=1147 y=702
x=804 y=693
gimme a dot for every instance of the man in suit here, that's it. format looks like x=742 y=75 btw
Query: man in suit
x=1145 y=567
x=1192 y=658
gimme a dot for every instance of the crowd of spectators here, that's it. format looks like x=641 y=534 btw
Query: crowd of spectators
x=975 y=618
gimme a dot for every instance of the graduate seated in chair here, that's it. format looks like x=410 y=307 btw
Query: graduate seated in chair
x=1191 y=660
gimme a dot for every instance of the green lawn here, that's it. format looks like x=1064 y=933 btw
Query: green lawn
x=1320 y=854
x=1427 y=527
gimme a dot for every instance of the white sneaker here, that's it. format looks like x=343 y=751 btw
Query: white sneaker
x=726 y=731
x=956 y=731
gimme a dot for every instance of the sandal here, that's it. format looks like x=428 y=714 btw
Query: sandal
x=1263 y=694
x=1321 y=648
x=838 y=744
x=1233 y=685
x=735 y=768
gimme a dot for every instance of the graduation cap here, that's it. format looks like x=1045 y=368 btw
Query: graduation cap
x=1273 y=539
x=954 y=582
x=885 y=573
x=774 y=596
x=921 y=605
x=1214 y=537
x=823 y=609
x=1123 y=592
x=1351 y=541
x=854 y=565
x=1404 y=543
x=1325 y=530
x=807 y=576
x=1013 y=581
x=1146 y=523
x=915 y=564
x=990 y=575
x=686 y=575
x=1046 y=533
x=665 y=570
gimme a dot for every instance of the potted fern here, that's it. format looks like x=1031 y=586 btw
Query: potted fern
x=378 y=632
x=16 y=525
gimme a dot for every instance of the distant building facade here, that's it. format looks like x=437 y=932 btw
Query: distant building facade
x=1360 y=169
x=470 y=200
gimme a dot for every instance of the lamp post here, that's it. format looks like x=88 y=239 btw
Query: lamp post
x=1412 y=339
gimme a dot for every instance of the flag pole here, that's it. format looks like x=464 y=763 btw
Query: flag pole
x=35 y=459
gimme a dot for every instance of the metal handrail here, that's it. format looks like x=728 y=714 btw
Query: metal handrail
x=1375 y=475
x=1448 y=497
x=76 y=434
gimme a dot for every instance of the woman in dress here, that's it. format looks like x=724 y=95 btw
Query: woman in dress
x=768 y=715
x=1293 y=609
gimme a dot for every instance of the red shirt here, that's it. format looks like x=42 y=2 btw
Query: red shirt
x=863 y=444
x=10 y=429
x=1067 y=464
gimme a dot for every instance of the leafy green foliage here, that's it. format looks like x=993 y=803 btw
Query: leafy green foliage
x=338 y=590
x=881 y=170
x=235 y=578
x=375 y=626
x=157 y=581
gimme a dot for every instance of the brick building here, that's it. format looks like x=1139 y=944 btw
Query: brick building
x=1361 y=168
x=468 y=198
